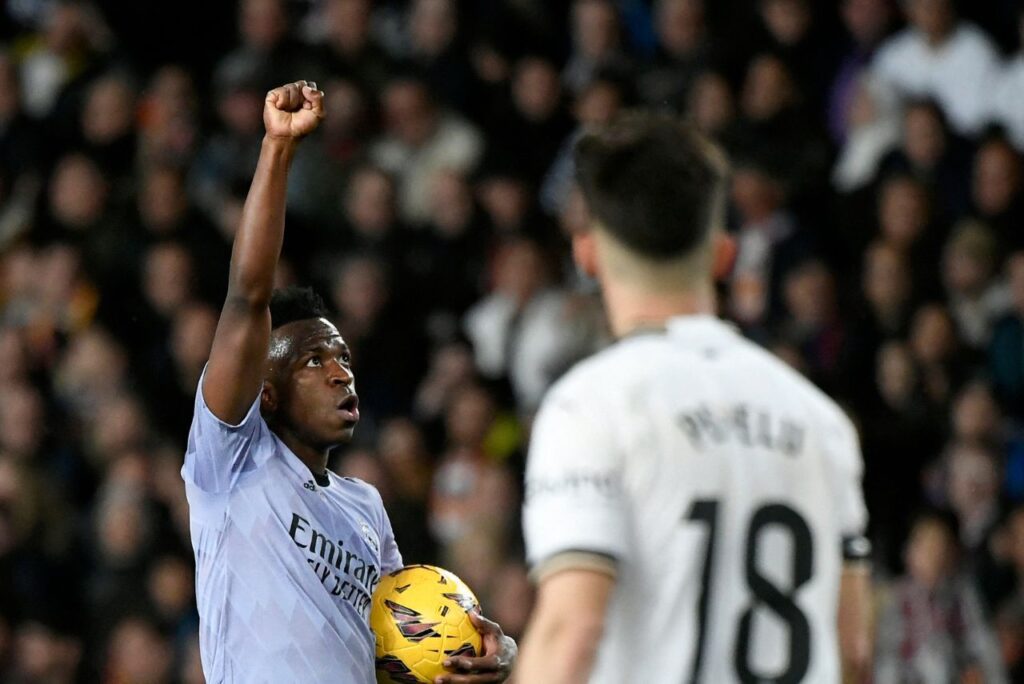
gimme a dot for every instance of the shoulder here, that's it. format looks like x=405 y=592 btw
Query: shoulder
x=360 y=489
x=897 y=46
x=970 y=37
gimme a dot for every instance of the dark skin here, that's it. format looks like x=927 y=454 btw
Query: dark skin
x=303 y=369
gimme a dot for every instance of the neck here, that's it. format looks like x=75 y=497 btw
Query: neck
x=630 y=308
x=314 y=458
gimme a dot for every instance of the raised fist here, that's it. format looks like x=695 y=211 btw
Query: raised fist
x=294 y=110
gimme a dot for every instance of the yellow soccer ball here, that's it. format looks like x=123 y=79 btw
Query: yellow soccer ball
x=420 y=617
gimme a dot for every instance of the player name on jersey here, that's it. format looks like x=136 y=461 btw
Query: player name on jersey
x=331 y=562
x=742 y=424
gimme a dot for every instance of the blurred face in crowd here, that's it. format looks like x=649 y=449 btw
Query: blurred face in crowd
x=451 y=204
x=903 y=212
x=409 y=112
x=170 y=587
x=886 y=280
x=240 y=107
x=809 y=294
x=364 y=465
x=361 y=292
x=711 y=106
x=192 y=338
x=968 y=260
x=22 y=420
x=78 y=192
x=996 y=180
x=162 y=201
x=973 y=480
x=122 y=527
x=345 y=107
x=263 y=23
x=506 y=201
x=598 y=103
x=109 y=112
x=976 y=416
x=370 y=203
x=934 y=18
x=432 y=26
x=120 y=424
x=866 y=20
x=924 y=136
x=595 y=28
x=787 y=20
x=680 y=25
x=932 y=335
x=931 y=553
x=520 y=271
x=167 y=277
x=93 y=368
x=536 y=89
x=348 y=26
x=139 y=653
x=768 y=88
x=896 y=375
x=14 y=359
x=43 y=655
x=755 y=194
x=404 y=454
x=469 y=417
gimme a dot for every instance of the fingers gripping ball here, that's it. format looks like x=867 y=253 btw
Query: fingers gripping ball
x=420 y=617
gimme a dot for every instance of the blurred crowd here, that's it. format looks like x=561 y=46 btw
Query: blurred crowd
x=877 y=199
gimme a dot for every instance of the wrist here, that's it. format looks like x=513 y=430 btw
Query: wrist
x=284 y=146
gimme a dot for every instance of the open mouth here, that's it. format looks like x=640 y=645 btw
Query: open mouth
x=349 y=408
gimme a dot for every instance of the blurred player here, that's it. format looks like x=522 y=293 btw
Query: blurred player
x=693 y=509
x=287 y=553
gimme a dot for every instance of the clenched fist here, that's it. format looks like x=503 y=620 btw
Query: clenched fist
x=293 y=111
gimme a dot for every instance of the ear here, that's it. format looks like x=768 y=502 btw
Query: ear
x=584 y=252
x=268 y=398
x=724 y=257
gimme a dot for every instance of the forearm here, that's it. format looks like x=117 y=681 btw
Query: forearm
x=560 y=652
x=258 y=242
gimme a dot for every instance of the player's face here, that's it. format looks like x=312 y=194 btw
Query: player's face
x=316 y=389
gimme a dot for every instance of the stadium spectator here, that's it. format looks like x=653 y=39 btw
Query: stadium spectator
x=943 y=57
x=932 y=628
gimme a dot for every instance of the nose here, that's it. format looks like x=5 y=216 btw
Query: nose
x=340 y=375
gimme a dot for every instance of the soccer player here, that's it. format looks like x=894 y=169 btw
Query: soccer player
x=693 y=510
x=287 y=553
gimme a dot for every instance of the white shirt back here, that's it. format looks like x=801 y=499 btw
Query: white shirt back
x=722 y=483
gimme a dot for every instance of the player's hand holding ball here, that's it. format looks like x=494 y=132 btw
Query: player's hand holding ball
x=293 y=111
x=428 y=628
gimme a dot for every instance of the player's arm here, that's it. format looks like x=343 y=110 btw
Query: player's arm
x=561 y=640
x=234 y=375
x=855 y=622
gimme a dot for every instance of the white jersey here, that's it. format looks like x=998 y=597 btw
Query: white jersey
x=722 y=483
x=285 y=567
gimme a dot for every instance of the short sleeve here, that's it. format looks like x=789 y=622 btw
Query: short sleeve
x=390 y=556
x=219 y=453
x=847 y=468
x=574 y=498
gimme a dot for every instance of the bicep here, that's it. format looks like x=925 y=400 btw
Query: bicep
x=234 y=374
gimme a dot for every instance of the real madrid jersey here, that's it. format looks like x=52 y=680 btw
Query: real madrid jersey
x=723 y=486
x=285 y=567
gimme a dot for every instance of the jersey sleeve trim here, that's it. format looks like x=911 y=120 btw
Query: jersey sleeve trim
x=246 y=420
x=575 y=559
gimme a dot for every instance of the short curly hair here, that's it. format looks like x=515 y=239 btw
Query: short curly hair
x=295 y=303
